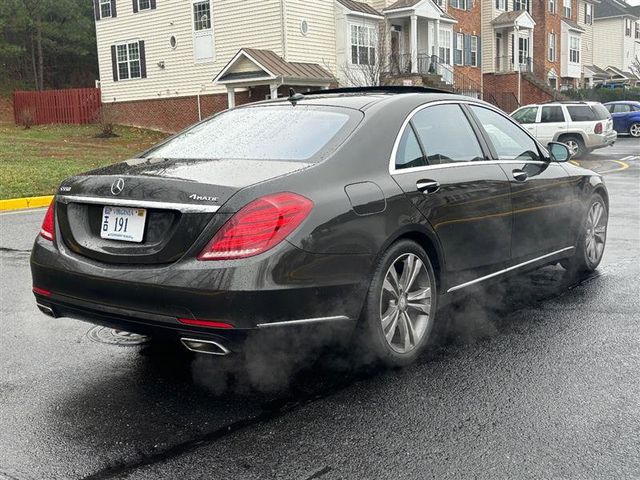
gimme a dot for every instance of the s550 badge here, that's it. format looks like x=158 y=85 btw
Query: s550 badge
x=65 y=188
x=203 y=198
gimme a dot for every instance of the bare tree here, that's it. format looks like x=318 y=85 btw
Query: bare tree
x=372 y=63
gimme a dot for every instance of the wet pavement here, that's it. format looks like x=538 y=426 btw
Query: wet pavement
x=534 y=377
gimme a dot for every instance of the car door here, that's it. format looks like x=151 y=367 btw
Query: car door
x=528 y=118
x=551 y=125
x=619 y=114
x=541 y=190
x=440 y=165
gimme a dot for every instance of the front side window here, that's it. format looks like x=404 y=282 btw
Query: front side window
x=260 y=133
x=621 y=108
x=526 y=115
x=105 y=8
x=551 y=114
x=446 y=135
x=574 y=49
x=552 y=47
x=588 y=14
x=581 y=113
x=459 y=51
x=409 y=153
x=128 y=60
x=566 y=10
x=202 y=16
x=509 y=141
x=363 y=45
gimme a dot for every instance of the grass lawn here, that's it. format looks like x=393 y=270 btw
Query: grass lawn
x=34 y=162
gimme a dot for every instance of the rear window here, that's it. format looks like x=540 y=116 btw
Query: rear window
x=263 y=133
x=601 y=112
x=586 y=113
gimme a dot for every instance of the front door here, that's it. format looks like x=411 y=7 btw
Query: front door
x=467 y=204
x=551 y=124
x=541 y=191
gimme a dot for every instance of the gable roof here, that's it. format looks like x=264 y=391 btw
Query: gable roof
x=573 y=25
x=512 y=17
x=401 y=4
x=614 y=8
x=359 y=7
x=268 y=65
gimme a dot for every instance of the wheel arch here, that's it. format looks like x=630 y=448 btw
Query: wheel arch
x=573 y=133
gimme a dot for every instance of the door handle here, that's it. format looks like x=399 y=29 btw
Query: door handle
x=520 y=175
x=427 y=186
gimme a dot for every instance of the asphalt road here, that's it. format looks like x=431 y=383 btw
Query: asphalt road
x=536 y=377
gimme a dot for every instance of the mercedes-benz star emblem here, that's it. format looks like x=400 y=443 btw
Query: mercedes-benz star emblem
x=117 y=186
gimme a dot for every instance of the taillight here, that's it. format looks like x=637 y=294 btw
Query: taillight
x=48 y=229
x=258 y=226
x=204 y=323
x=598 y=128
x=41 y=291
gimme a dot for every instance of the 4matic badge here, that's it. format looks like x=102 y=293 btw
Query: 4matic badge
x=203 y=198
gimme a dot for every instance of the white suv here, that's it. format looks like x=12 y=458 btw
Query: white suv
x=582 y=126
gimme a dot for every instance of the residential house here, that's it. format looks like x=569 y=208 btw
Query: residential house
x=616 y=35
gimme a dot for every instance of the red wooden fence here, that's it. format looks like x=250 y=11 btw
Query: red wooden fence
x=73 y=105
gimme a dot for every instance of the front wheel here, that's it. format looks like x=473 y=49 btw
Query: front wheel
x=634 y=130
x=400 y=307
x=592 y=238
x=575 y=144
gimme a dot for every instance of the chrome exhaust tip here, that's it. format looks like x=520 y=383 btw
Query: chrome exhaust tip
x=46 y=310
x=208 y=347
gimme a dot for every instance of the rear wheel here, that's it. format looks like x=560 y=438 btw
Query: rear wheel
x=400 y=305
x=575 y=144
x=634 y=130
x=592 y=238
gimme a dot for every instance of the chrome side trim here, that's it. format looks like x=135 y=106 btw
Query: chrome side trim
x=305 y=321
x=187 y=343
x=123 y=202
x=501 y=272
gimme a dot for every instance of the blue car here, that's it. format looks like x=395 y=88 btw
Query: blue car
x=626 y=117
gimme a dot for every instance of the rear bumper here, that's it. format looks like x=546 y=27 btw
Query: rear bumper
x=600 y=141
x=284 y=287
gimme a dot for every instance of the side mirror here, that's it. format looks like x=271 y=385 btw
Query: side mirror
x=559 y=152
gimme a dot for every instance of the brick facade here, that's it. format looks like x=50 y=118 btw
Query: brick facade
x=469 y=24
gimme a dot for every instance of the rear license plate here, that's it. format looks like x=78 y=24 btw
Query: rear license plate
x=124 y=224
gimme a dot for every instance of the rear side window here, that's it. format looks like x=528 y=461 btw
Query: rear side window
x=581 y=113
x=409 y=153
x=509 y=141
x=526 y=115
x=264 y=133
x=621 y=108
x=446 y=135
x=600 y=112
x=551 y=114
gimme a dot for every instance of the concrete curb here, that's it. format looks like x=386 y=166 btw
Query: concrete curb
x=27 y=202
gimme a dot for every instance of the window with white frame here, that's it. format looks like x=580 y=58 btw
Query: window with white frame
x=201 y=16
x=521 y=5
x=474 y=51
x=627 y=27
x=637 y=30
x=128 y=60
x=501 y=4
x=363 y=45
x=552 y=6
x=588 y=14
x=566 y=10
x=105 y=8
x=144 y=4
x=552 y=47
x=574 y=49
x=461 y=4
x=458 y=53
x=444 y=38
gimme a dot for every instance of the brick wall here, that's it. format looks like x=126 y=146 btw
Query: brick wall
x=469 y=23
x=531 y=93
x=501 y=89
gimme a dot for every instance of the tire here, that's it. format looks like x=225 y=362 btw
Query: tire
x=575 y=144
x=394 y=329
x=634 y=130
x=592 y=238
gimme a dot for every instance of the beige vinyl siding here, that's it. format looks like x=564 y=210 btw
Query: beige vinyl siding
x=236 y=24
x=608 y=42
x=319 y=44
x=488 y=37
x=587 y=37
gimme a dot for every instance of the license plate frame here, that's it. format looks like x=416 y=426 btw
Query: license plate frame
x=123 y=224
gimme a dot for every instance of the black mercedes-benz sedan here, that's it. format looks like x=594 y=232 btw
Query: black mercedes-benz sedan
x=361 y=209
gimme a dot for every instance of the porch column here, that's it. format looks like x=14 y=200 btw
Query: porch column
x=414 y=43
x=515 y=46
x=231 y=97
x=273 y=90
x=436 y=39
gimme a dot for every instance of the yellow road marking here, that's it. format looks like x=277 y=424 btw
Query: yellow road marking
x=28 y=202
x=623 y=165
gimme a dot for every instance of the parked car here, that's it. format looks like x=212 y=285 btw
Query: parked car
x=360 y=210
x=583 y=126
x=626 y=117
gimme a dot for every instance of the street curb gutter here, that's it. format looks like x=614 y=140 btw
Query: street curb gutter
x=27 y=202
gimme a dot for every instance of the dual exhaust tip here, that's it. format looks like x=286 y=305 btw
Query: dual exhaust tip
x=208 y=347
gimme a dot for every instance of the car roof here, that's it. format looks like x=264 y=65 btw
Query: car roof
x=623 y=102
x=559 y=102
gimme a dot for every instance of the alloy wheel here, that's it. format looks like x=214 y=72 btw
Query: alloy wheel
x=405 y=303
x=596 y=233
x=634 y=130
x=573 y=146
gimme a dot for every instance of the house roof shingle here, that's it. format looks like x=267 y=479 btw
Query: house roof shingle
x=573 y=25
x=401 y=4
x=507 y=17
x=614 y=8
x=359 y=7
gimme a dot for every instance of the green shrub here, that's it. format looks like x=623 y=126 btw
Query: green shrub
x=604 y=95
